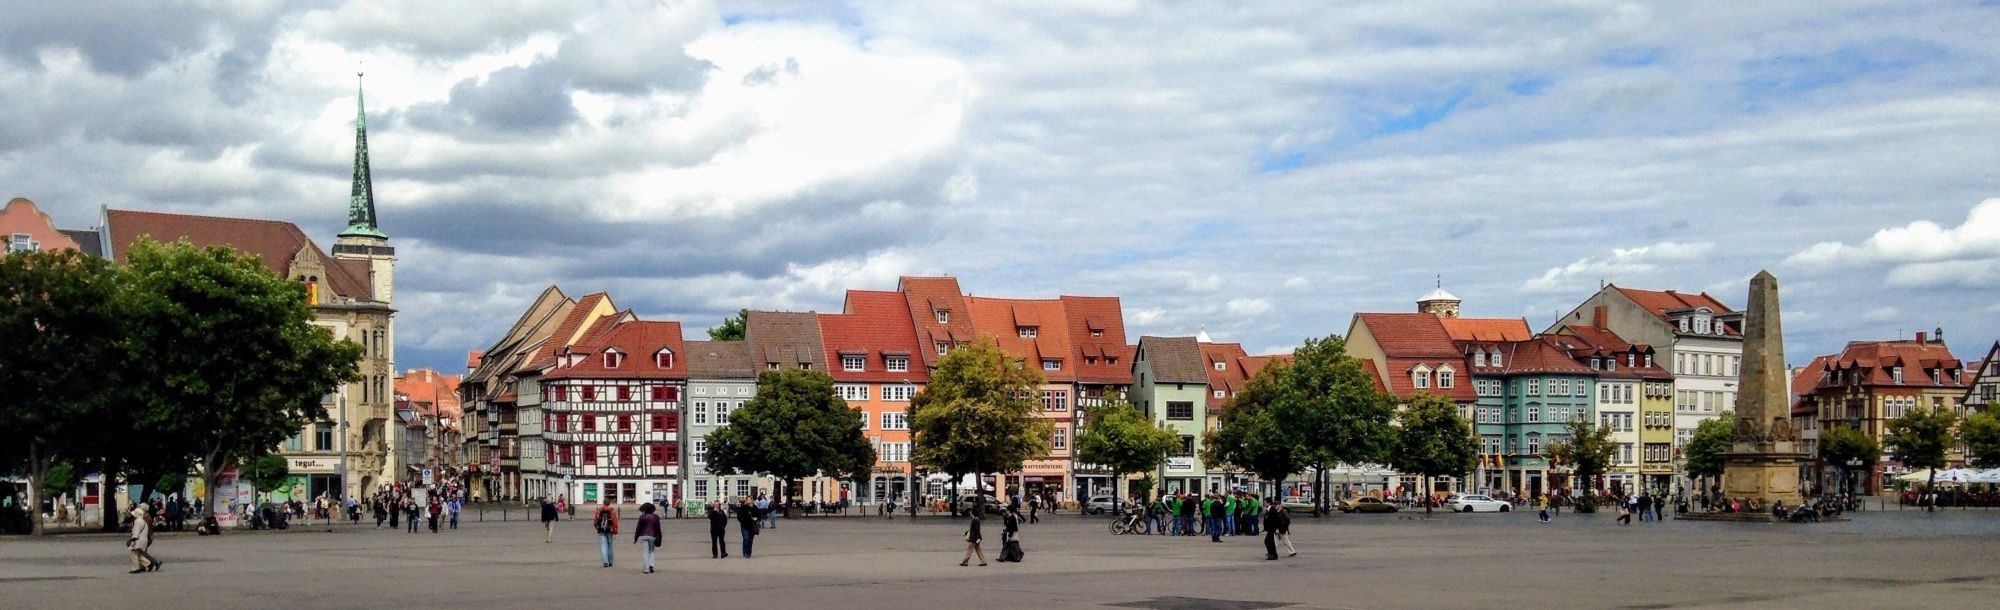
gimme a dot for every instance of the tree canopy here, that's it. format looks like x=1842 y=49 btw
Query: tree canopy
x=795 y=427
x=1705 y=448
x=1330 y=405
x=1117 y=436
x=1587 y=451
x=1839 y=445
x=1982 y=439
x=60 y=319
x=1920 y=439
x=731 y=328
x=977 y=414
x=1433 y=441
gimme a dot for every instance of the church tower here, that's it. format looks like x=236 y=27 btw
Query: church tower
x=1439 y=303
x=363 y=240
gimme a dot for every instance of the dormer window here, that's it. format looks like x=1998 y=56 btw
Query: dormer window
x=1446 y=378
x=1420 y=377
x=1631 y=358
x=1479 y=358
x=1701 y=322
x=770 y=366
x=943 y=347
x=1096 y=332
x=1218 y=394
x=1896 y=373
x=1026 y=332
x=1090 y=360
x=664 y=359
x=897 y=364
x=943 y=316
x=1221 y=367
x=1051 y=365
x=805 y=366
x=1611 y=364
x=1111 y=360
x=1684 y=324
x=853 y=363
x=612 y=358
x=1596 y=364
x=1649 y=360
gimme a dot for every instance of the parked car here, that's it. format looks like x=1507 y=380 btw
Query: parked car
x=1474 y=503
x=1366 y=505
x=1299 y=504
x=965 y=503
x=1103 y=504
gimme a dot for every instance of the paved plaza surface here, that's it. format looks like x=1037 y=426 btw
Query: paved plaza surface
x=1878 y=559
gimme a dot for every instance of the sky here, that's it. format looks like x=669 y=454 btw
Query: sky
x=1260 y=171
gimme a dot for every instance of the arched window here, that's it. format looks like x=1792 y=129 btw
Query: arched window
x=664 y=359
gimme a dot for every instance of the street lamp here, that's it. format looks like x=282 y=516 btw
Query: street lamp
x=910 y=455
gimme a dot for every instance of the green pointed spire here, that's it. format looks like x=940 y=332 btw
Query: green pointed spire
x=361 y=200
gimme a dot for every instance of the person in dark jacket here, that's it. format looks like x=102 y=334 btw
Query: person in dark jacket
x=1278 y=522
x=548 y=520
x=647 y=534
x=973 y=537
x=1218 y=513
x=718 y=523
x=1188 y=505
x=746 y=519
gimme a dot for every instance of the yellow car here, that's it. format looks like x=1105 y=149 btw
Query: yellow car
x=1366 y=505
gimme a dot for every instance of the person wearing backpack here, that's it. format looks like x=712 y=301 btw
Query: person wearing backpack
x=606 y=522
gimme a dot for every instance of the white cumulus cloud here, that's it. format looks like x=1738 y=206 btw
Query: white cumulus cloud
x=1921 y=253
x=1622 y=263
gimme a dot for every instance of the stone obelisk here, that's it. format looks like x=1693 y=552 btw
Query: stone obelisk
x=1763 y=458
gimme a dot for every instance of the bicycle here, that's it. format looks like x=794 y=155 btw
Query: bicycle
x=1128 y=522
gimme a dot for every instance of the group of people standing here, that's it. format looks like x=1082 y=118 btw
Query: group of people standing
x=393 y=505
x=750 y=517
x=1231 y=514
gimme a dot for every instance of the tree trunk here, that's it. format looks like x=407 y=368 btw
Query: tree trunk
x=1427 y=495
x=209 y=471
x=1319 y=491
x=107 y=496
x=38 y=467
x=1930 y=487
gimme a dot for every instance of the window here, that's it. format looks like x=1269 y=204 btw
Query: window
x=1603 y=392
x=1491 y=444
x=1218 y=393
x=666 y=422
x=1060 y=439
x=897 y=364
x=323 y=436
x=624 y=393
x=1625 y=453
x=1534 y=412
x=699 y=454
x=1649 y=360
x=742 y=488
x=853 y=363
x=1180 y=409
x=1494 y=359
x=1097 y=332
x=589 y=423
x=701 y=489
x=625 y=455
x=1187 y=445
x=612 y=358
x=1055 y=400
x=943 y=316
x=1534 y=387
x=23 y=242
x=1221 y=367
x=590 y=454
x=1896 y=374
x=1534 y=443
x=1596 y=364
x=664 y=359
x=1479 y=358
x=943 y=347
x=1026 y=332
x=805 y=366
x=700 y=413
x=1445 y=379
x=1611 y=364
x=722 y=414
x=851 y=392
x=1051 y=365
x=624 y=422
x=895 y=420
x=895 y=452
x=898 y=393
x=666 y=393
x=589 y=393
x=1420 y=378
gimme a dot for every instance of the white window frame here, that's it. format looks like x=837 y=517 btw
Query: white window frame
x=854 y=364
x=897 y=393
x=1027 y=332
x=1051 y=365
x=896 y=364
x=943 y=316
x=895 y=420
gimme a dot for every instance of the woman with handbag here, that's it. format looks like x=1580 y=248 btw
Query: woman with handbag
x=647 y=534
x=972 y=538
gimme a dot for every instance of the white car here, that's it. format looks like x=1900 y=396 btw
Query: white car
x=1471 y=503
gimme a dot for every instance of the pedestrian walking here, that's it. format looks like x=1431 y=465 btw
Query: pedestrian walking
x=1625 y=512
x=1278 y=521
x=375 y=505
x=1544 y=516
x=647 y=534
x=718 y=523
x=410 y=514
x=605 y=520
x=1035 y=509
x=548 y=519
x=434 y=512
x=141 y=540
x=747 y=520
x=972 y=538
x=453 y=507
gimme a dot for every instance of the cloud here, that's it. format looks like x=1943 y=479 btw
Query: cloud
x=1881 y=314
x=1623 y=262
x=1297 y=282
x=1921 y=253
x=1247 y=308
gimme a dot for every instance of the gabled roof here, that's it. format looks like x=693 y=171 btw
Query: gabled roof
x=1925 y=363
x=429 y=392
x=1001 y=319
x=21 y=216
x=790 y=339
x=572 y=330
x=1409 y=335
x=639 y=341
x=274 y=242
x=497 y=363
x=1232 y=376
x=1542 y=355
x=1486 y=329
x=1660 y=302
x=874 y=325
x=719 y=360
x=1173 y=359
x=1585 y=342
x=1104 y=317
x=927 y=295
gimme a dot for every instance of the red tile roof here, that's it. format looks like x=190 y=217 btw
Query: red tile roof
x=1661 y=301
x=875 y=325
x=1373 y=373
x=639 y=341
x=1486 y=329
x=1104 y=317
x=1410 y=335
x=1002 y=319
x=578 y=318
x=1925 y=364
x=1542 y=355
x=1232 y=377
x=1586 y=342
x=274 y=242
x=928 y=295
x=429 y=392
x=472 y=358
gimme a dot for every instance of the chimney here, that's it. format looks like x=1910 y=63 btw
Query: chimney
x=1597 y=316
x=1921 y=338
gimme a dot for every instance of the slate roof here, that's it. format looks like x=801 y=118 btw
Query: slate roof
x=638 y=340
x=874 y=325
x=1001 y=319
x=86 y=240
x=719 y=360
x=1174 y=359
x=274 y=242
x=926 y=295
x=790 y=339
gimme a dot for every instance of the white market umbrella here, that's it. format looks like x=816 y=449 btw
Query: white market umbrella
x=1989 y=476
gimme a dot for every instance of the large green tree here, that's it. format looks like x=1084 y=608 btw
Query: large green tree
x=60 y=321
x=1920 y=438
x=1588 y=452
x=1433 y=441
x=1705 y=447
x=1982 y=439
x=223 y=356
x=1840 y=445
x=977 y=414
x=795 y=427
x=1331 y=404
x=267 y=473
x=1247 y=436
x=731 y=328
x=1117 y=436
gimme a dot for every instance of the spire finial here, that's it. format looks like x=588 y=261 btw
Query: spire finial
x=361 y=197
x=1440 y=280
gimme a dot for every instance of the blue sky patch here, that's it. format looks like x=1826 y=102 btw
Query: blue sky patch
x=1529 y=86
x=1422 y=116
x=1281 y=163
x=1633 y=57
x=1791 y=74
